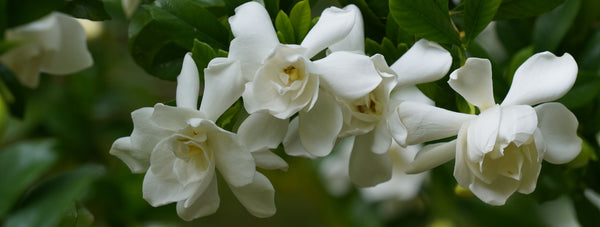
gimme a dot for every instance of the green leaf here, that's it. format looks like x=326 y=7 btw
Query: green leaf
x=86 y=9
x=12 y=91
x=515 y=9
x=585 y=90
x=46 y=203
x=427 y=19
x=516 y=61
x=478 y=14
x=161 y=33
x=285 y=28
x=24 y=163
x=202 y=53
x=229 y=119
x=550 y=28
x=590 y=55
x=25 y=11
x=3 y=18
x=300 y=19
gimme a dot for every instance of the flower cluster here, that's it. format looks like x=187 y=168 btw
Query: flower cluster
x=309 y=104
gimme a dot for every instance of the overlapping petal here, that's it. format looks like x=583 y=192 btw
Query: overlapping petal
x=333 y=26
x=319 y=127
x=473 y=81
x=355 y=40
x=71 y=54
x=262 y=131
x=223 y=86
x=543 y=77
x=559 y=130
x=424 y=62
x=204 y=203
x=366 y=167
x=431 y=156
x=258 y=197
x=188 y=84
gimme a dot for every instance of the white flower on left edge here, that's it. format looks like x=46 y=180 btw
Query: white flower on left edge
x=500 y=150
x=54 y=44
x=180 y=149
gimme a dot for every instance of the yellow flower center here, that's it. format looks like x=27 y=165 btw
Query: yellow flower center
x=292 y=73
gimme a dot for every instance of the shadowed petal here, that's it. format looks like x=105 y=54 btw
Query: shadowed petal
x=559 y=130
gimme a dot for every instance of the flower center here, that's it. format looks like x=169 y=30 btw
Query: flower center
x=292 y=74
x=369 y=105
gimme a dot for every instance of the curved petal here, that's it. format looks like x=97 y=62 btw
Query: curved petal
x=426 y=123
x=188 y=84
x=347 y=75
x=495 y=193
x=473 y=81
x=424 y=62
x=462 y=173
x=292 y=143
x=559 y=130
x=223 y=86
x=233 y=161
x=262 y=131
x=319 y=127
x=268 y=160
x=159 y=191
x=205 y=203
x=173 y=118
x=409 y=93
x=482 y=133
x=145 y=135
x=72 y=54
x=355 y=41
x=258 y=197
x=382 y=138
x=432 y=156
x=367 y=168
x=543 y=77
x=333 y=26
x=517 y=124
x=138 y=161
x=255 y=37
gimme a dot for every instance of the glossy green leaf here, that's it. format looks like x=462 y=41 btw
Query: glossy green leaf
x=229 y=119
x=86 y=9
x=585 y=90
x=590 y=57
x=47 y=202
x=550 y=28
x=24 y=163
x=427 y=19
x=285 y=28
x=477 y=15
x=25 y=11
x=12 y=91
x=300 y=19
x=161 y=33
x=514 y=9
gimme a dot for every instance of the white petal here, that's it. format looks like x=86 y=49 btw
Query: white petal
x=473 y=81
x=292 y=143
x=432 y=156
x=173 y=118
x=159 y=190
x=517 y=124
x=463 y=175
x=255 y=37
x=426 y=123
x=136 y=160
x=495 y=193
x=366 y=167
x=268 y=160
x=188 y=84
x=223 y=86
x=233 y=161
x=542 y=78
x=424 y=62
x=146 y=134
x=347 y=75
x=559 y=213
x=592 y=196
x=559 y=129
x=355 y=41
x=333 y=169
x=333 y=26
x=206 y=203
x=482 y=133
x=319 y=127
x=258 y=197
x=382 y=138
x=409 y=93
x=71 y=55
x=262 y=131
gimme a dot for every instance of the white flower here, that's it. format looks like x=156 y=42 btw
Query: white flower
x=54 y=44
x=559 y=213
x=180 y=148
x=499 y=151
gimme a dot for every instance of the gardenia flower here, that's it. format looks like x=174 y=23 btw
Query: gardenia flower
x=180 y=149
x=500 y=150
x=54 y=44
